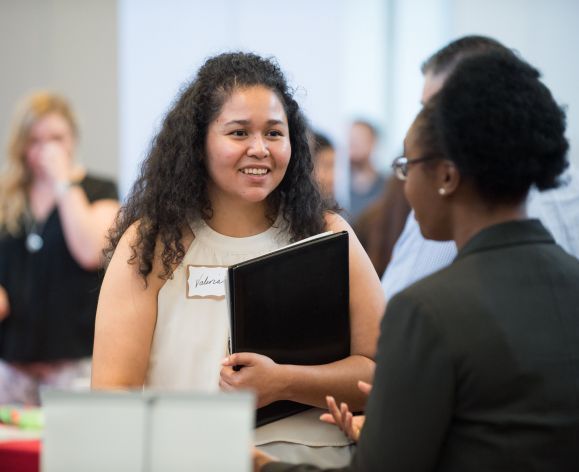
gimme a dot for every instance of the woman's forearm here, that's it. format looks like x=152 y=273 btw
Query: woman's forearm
x=311 y=384
x=85 y=225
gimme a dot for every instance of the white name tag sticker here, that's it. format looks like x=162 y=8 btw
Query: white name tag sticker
x=206 y=282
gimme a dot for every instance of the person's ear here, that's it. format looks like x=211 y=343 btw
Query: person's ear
x=448 y=178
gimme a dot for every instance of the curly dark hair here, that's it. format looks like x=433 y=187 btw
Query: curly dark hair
x=172 y=186
x=499 y=124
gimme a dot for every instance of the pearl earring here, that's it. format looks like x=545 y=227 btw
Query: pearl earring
x=441 y=191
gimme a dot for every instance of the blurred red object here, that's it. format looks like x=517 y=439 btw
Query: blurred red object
x=20 y=456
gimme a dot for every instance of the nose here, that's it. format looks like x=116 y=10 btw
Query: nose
x=258 y=147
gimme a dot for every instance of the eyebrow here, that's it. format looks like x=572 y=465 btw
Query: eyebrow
x=248 y=122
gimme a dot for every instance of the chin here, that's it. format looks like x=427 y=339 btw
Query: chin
x=256 y=196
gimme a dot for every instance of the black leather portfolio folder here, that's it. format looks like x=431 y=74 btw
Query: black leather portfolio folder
x=292 y=305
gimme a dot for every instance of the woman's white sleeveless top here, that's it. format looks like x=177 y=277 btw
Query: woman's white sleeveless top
x=191 y=334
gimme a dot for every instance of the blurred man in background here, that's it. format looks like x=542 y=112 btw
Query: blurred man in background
x=366 y=183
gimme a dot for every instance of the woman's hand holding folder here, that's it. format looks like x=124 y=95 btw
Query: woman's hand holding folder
x=317 y=322
x=259 y=373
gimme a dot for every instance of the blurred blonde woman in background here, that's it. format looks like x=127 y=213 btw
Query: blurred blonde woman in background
x=54 y=219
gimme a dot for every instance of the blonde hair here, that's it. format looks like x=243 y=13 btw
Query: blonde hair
x=16 y=178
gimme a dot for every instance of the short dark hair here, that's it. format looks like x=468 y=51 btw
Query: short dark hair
x=499 y=124
x=372 y=127
x=445 y=60
x=320 y=142
x=172 y=186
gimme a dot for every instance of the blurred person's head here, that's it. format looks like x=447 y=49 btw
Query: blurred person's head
x=41 y=118
x=490 y=133
x=324 y=155
x=440 y=65
x=363 y=138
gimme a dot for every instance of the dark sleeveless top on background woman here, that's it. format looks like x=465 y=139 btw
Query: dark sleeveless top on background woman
x=52 y=299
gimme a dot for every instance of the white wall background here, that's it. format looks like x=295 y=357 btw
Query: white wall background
x=420 y=27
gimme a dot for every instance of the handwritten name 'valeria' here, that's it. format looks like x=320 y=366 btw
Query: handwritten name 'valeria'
x=205 y=280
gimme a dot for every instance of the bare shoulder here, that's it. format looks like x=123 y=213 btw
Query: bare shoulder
x=334 y=222
x=123 y=259
x=123 y=267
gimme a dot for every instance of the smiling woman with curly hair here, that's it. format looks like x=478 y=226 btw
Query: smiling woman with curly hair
x=228 y=178
x=173 y=185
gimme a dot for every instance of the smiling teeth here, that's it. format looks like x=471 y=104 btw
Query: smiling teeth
x=254 y=171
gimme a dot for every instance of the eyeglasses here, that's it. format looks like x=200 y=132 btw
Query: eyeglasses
x=400 y=165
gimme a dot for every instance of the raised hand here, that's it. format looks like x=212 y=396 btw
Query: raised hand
x=343 y=418
x=55 y=162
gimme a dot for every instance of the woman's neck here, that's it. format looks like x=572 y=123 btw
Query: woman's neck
x=239 y=219
x=473 y=218
x=41 y=198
